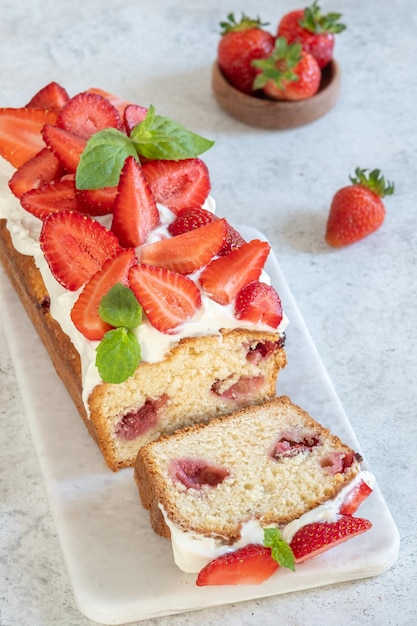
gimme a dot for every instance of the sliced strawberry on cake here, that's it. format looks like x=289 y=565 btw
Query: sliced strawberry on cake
x=20 y=133
x=42 y=168
x=88 y=113
x=53 y=97
x=133 y=115
x=135 y=212
x=224 y=277
x=190 y=219
x=355 y=497
x=169 y=299
x=258 y=302
x=85 y=312
x=58 y=195
x=178 y=184
x=75 y=247
x=96 y=201
x=66 y=146
x=188 y=252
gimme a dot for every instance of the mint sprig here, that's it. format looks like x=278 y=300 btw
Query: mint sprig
x=156 y=137
x=118 y=353
x=280 y=550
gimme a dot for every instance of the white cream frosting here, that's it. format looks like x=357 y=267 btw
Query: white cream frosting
x=25 y=228
x=193 y=551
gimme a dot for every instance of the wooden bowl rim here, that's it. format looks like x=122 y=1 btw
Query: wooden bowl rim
x=279 y=114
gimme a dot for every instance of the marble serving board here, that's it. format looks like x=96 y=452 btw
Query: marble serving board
x=119 y=569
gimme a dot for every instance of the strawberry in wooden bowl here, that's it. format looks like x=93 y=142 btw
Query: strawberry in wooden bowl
x=295 y=79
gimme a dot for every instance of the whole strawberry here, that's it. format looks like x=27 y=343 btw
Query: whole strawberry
x=240 y=44
x=313 y=30
x=357 y=210
x=288 y=74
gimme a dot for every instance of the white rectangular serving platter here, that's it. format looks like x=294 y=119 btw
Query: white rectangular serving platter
x=119 y=569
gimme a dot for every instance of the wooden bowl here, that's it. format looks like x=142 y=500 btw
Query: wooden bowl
x=277 y=114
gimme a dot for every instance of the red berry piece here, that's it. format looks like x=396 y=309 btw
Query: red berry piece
x=87 y=113
x=250 y=565
x=75 y=247
x=259 y=303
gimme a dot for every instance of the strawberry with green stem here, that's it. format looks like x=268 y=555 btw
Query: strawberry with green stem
x=313 y=30
x=357 y=210
x=242 y=42
x=288 y=74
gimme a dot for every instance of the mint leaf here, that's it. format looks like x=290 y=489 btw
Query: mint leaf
x=102 y=159
x=119 y=307
x=117 y=355
x=158 y=137
x=280 y=550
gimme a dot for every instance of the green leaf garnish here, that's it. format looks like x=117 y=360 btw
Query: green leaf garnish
x=117 y=355
x=102 y=159
x=119 y=307
x=156 y=137
x=280 y=550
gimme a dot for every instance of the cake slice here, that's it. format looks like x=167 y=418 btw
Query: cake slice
x=155 y=312
x=214 y=489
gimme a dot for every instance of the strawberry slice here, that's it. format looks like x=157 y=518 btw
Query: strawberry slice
x=135 y=212
x=87 y=113
x=259 y=303
x=53 y=97
x=224 y=277
x=66 y=146
x=75 y=247
x=133 y=115
x=168 y=298
x=58 y=195
x=41 y=169
x=178 y=184
x=313 y=539
x=117 y=102
x=20 y=133
x=354 y=498
x=84 y=313
x=250 y=565
x=96 y=201
x=188 y=252
x=190 y=219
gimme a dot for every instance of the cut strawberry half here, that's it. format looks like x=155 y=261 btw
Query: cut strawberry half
x=169 y=299
x=190 y=219
x=178 y=184
x=188 y=252
x=20 y=133
x=354 y=498
x=96 y=201
x=250 y=565
x=133 y=115
x=41 y=169
x=84 y=314
x=53 y=97
x=66 y=146
x=135 y=212
x=87 y=113
x=75 y=247
x=313 y=539
x=58 y=195
x=259 y=303
x=224 y=277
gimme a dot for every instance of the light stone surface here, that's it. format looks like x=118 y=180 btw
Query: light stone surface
x=359 y=303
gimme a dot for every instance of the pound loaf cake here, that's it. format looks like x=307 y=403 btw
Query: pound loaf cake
x=214 y=488
x=155 y=312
